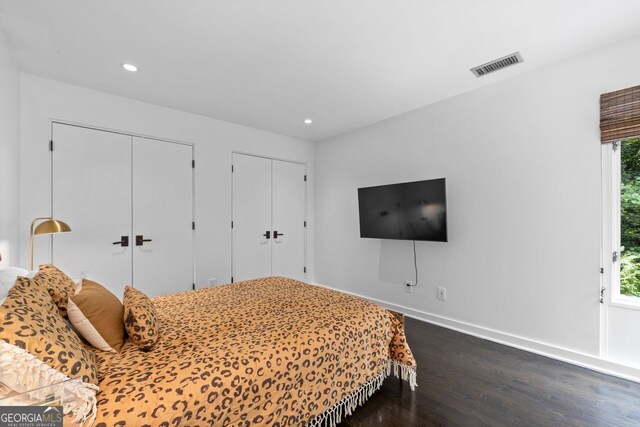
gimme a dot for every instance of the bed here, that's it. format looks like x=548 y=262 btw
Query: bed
x=270 y=351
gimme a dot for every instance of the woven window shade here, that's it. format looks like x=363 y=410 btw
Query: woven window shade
x=620 y=115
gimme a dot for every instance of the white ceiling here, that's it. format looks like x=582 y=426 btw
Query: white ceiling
x=271 y=64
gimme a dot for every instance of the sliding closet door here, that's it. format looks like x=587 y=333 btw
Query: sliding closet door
x=288 y=220
x=251 y=217
x=92 y=193
x=162 y=216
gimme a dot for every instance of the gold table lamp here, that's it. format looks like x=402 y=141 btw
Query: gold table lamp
x=48 y=226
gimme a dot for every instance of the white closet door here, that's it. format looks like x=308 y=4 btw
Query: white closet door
x=162 y=213
x=92 y=193
x=251 y=217
x=288 y=257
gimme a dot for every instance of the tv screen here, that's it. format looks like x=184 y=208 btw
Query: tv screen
x=407 y=211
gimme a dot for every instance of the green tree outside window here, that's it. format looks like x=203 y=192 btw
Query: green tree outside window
x=630 y=218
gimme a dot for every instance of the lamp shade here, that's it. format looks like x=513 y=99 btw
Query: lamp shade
x=51 y=226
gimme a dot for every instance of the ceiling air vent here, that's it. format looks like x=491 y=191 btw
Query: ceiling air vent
x=497 y=64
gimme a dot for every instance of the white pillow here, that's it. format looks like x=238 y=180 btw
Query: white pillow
x=77 y=278
x=8 y=277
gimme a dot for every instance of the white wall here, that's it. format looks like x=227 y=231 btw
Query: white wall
x=9 y=154
x=522 y=162
x=43 y=100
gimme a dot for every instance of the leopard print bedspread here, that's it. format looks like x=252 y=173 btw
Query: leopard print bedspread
x=270 y=351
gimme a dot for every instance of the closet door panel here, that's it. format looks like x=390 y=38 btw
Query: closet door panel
x=92 y=193
x=162 y=214
x=288 y=210
x=251 y=217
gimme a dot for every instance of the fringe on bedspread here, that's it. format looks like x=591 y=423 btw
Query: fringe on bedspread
x=333 y=416
x=26 y=373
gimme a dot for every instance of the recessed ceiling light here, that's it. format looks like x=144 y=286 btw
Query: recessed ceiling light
x=308 y=121
x=130 y=67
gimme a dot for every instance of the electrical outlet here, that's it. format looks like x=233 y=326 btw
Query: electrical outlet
x=408 y=286
x=442 y=294
x=213 y=281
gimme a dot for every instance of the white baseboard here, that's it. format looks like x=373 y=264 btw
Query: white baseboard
x=554 y=352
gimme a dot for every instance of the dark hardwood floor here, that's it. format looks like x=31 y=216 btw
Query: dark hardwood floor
x=467 y=381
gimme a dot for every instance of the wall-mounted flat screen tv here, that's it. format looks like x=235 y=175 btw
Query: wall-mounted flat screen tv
x=406 y=211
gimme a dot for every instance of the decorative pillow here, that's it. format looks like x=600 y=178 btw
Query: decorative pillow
x=8 y=277
x=97 y=315
x=38 y=349
x=58 y=284
x=140 y=318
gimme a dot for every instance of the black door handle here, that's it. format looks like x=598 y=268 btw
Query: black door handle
x=276 y=234
x=124 y=241
x=267 y=234
x=140 y=240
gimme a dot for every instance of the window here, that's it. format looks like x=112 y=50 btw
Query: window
x=629 y=218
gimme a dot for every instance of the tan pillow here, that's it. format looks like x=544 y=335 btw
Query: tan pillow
x=58 y=284
x=140 y=318
x=38 y=349
x=97 y=315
